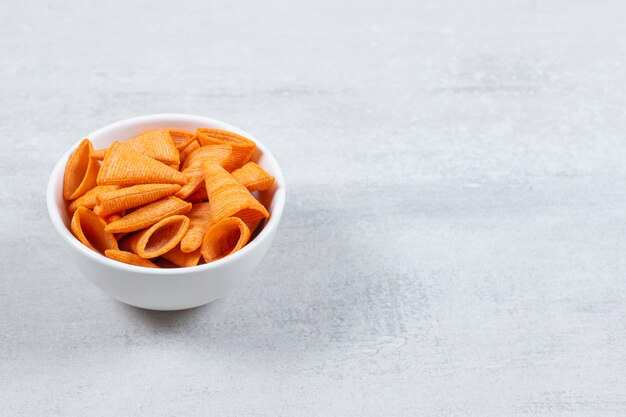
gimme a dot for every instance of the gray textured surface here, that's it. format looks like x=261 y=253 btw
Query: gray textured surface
x=453 y=243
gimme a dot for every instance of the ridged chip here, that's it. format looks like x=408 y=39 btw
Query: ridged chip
x=200 y=221
x=253 y=177
x=80 y=172
x=123 y=166
x=228 y=198
x=122 y=199
x=159 y=238
x=242 y=148
x=89 y=228
x=149 y=214
x=223 y=238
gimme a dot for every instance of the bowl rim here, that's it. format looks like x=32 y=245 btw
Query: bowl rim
x=59 y=168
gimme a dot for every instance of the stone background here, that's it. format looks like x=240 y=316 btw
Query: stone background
x=453 y=242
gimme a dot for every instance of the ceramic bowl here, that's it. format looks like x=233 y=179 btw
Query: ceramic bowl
x=174 y=288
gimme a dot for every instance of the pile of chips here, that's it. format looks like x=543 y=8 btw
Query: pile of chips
x=166 y=198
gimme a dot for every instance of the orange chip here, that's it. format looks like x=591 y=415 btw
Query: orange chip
x=80 y=172
x=158 y=239
x=181 y=138
x=195 y=181
x=90 y=198
x=242 y=147
x=149 y=214
x=192 y=167
x=156 y=144
x=188 y=150
x=99 y=154
x=128 y=258
x=123 y=166
x=199 y=196
x=253 y=177
x=89 y=228
x=223 y=238
x=180 y=258
x=228 y=198
x=210 y=153
x=133 y=196
x=200 y=222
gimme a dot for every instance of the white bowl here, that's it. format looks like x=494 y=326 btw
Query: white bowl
x=175 y=288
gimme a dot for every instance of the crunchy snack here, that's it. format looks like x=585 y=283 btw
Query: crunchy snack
x=90 y=198
x=200 y=221
x=181 y=138
x=158 y=238
x=124 y=166
x=229 y=198
x=188 y=150
x=242 y=148
x=89 y=228
x=156 y=144
x=118 y=200
x=149 y=214
x=223 y=238
x=80 y=172
x=166 y=197
x=253 y=177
